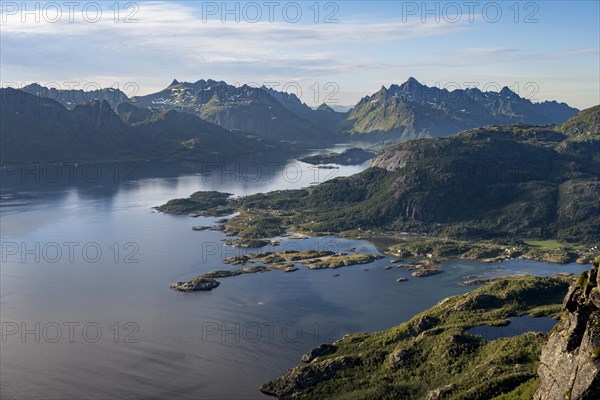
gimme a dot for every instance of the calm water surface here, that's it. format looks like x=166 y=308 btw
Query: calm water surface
x=87 y=313
x=517 y=326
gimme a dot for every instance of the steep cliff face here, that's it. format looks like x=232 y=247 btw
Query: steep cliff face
x=570 y=361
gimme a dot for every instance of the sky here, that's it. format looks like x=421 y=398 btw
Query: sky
x=329 y=51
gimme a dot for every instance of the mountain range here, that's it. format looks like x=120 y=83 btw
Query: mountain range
x=184 y=112
x=412 y=110
x=74 y=97
x=39 y=129
x=401 y=112
x=244 y=108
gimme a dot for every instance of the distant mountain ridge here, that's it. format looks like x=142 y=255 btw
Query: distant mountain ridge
x=38 y=129
x=244 y=108
x=70 y=98
x=394 y=114
x=400 y=112
x=412 y=110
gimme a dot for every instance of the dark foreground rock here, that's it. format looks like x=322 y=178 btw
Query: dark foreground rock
x=570 y=360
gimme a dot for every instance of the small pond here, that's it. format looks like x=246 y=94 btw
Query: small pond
x=517 y=326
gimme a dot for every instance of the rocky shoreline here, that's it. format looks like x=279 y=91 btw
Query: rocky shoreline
x=440 y=250
x=285 y=261
x=426 y=254
x=265 y=216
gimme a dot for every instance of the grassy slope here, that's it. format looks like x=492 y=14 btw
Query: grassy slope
x=438 y=351
x=584 y=125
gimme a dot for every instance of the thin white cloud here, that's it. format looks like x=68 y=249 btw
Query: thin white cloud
x=168 y=29
x=172 y=41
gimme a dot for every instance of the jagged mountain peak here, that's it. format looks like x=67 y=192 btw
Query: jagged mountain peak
x=411 y=83
x=33 y=86
x=174 y=83
x=410 y=87
x=325 y=107
x=507 y=92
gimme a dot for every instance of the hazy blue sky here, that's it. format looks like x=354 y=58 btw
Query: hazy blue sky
x=543 y=50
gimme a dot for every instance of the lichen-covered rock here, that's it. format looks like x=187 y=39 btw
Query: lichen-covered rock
x=570 y=360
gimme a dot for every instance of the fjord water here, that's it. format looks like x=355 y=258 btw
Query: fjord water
x=108 y=325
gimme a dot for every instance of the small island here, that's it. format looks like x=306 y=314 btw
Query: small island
x=195 y=285
x=424 y=272
x=351 y=156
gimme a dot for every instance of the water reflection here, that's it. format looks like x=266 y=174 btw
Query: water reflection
x=188 y=345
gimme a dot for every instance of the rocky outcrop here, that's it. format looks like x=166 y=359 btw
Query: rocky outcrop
x=423 y=272
x=570 y=360
x=398 y=157
x=303 y=377
x=207 y=280
x=195 y=285
x=322 y=350
x=440 y=393
x=400 y=357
